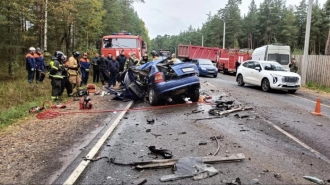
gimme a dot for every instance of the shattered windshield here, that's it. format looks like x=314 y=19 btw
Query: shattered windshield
x=272 y=67
x=119 y=43
x=205 y=62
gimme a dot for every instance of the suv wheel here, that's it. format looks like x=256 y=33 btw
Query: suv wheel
x=265 y=85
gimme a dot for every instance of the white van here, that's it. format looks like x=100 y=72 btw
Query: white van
x=277 y=53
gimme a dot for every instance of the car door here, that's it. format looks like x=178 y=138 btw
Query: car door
x=256 y=75
x=247 y=71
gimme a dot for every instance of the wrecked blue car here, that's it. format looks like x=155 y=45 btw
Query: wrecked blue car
x=162 y=80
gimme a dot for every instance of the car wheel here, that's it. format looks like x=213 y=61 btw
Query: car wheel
x=240 y=80
x=292 y=91
x=265 y=85
x=194 y=95
x=153 y=99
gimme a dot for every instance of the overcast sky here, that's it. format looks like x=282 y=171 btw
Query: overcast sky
x=170 y=16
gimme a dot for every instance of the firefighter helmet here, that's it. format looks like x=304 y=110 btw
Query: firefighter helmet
x=154 y=53
x=59 y=55
x=76 y=54
x=32 y=49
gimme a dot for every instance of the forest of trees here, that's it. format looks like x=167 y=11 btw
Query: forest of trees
x=270 y=22
x=72 y=25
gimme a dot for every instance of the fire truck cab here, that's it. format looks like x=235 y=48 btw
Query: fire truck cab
x=116 y=42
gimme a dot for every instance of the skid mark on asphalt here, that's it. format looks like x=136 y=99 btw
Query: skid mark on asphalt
x=328 y=106
x=318 y=154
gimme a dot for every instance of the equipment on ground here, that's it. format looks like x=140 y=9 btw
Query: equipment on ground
x=85 y=103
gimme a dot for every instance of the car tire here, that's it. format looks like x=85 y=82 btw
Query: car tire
x=153 y=99
x=265 y=85
x=194 y=96
x=292 y=91
x=240 y=80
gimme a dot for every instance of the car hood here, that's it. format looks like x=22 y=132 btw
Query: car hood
x=285 y=73
x=207 y=66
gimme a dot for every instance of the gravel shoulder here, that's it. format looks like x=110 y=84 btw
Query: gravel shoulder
x=33 y=149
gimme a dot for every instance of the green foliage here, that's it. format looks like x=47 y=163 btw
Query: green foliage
x=270 y=22
x=317 y=87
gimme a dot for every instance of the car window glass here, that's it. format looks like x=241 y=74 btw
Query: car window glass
x=284 y=59
x=257 y=64
x=250 y=65
x=245 y=64
x=272 y=57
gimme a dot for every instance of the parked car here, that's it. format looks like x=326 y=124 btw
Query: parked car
x=205 y=67
x=161 y=79
x=269 y=75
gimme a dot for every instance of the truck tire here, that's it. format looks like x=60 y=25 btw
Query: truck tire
x=153 y=99
x=194 y=96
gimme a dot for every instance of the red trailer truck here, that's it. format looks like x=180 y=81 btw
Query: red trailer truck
x=188 y=52
x=116 y=42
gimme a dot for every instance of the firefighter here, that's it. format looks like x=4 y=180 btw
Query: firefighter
x=40 y=66
x=144 y=60
x=66 y=82
x=173 y=59
x=154 y=54
x=84 y=68
x=30 y=64
x=73 y=70
x=103 y=67
x=131 y=61
x=55 y=74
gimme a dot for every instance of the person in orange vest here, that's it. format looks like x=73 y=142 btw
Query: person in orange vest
x=84 y=68
x=30 y=64
x=40 y=66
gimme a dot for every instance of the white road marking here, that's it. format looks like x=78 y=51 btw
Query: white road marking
x=318 y=154
x=210 y=84
x=309 y=100
x=81 y=167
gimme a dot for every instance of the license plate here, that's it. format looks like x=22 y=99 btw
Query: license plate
x=291 y=84
x=188 y=69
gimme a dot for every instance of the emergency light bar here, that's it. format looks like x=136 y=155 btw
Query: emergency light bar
x=121 y=33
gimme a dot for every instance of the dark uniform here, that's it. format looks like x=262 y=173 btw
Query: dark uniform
x=103 y=67
x=55 y=74
x=66 y=84
x=144 y=60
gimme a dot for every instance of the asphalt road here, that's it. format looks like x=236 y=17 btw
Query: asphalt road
x=282 y=137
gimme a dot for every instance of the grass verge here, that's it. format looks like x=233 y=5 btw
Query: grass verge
x=317 y=87
x=17 y=96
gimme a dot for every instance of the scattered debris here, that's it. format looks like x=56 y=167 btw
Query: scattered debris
x=140 y=181
x=208 y=118
x=190 y=167
x=314 y=179
x=170 y=162
x=194 y=112
x=277 y=175
x=218 y=144
x=255 y=181
x=150 y=121
x=240 y=117
x=237 y=181
x=202 y=143
x=167 y=154
x=218 y=112
x=319 y=124
x=243 y=130
x=148 y=130
x=157 y=135
x=183 y=133
x=217 y=137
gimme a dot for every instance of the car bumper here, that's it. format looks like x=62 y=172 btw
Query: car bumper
x=177 y=84
x=206 y=72
x=285 y=86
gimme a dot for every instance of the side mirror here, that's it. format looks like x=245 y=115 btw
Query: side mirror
x=258 y=69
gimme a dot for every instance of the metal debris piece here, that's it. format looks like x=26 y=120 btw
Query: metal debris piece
x=190 y=167
x=237 y=181
x=150 y=121
x=241 y=116
x=139 y=181
x=148 y=130
x=277 y=175
x=217 y=137
x=314 y=179
x=202 y=143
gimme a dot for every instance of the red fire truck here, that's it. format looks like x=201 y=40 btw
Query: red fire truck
x=227 y=58
x=116 y=42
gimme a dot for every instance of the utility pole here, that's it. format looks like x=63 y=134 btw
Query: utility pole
x=306 y=47
x=45 y=29
x=224 y=32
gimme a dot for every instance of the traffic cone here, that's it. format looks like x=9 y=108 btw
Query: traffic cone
x=317 y=111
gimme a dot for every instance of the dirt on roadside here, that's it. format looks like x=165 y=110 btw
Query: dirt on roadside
x=30 y=149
